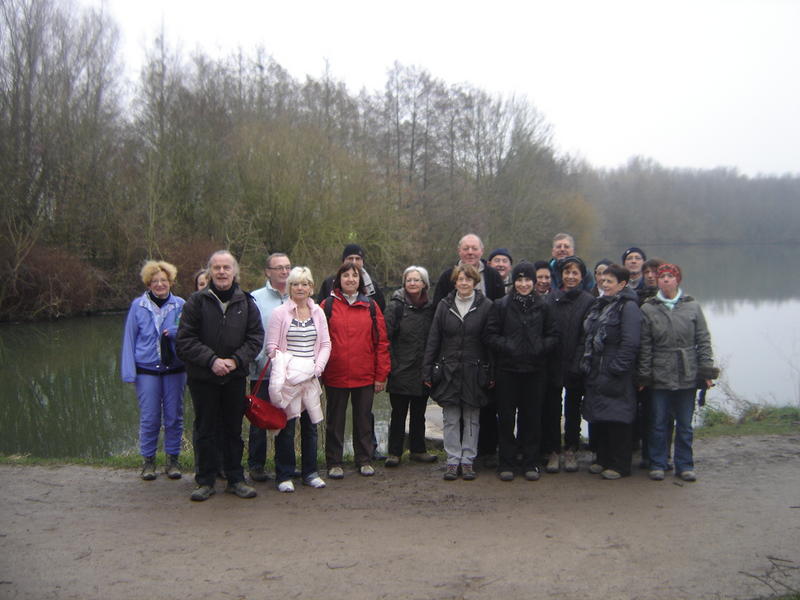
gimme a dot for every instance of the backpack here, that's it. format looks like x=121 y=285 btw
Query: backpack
x=327 y=307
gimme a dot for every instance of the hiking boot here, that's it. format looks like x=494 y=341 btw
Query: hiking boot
x=392 y=461
x=467 y=472
x=595 y=468
x=451 y=473
x=336 y=473
x=173 y=468
x=610 y=474
x=149 y=468
x=202 y=493
x=259 y=474
x=367 y=470
x=570 y=461
x=656 y=475
x=422 y=457
x=553 y=465
x=506 y=476
x=532 y=474
x=241 y=489
x=688 y=476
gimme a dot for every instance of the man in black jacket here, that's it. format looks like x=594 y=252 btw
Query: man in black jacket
x=470 y=251
x=220 y=334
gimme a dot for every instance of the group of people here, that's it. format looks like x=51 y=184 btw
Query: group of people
x=495 y=344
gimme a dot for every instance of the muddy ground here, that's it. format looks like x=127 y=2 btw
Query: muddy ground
x=82 y=532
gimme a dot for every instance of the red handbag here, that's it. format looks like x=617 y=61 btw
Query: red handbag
x=262 y=413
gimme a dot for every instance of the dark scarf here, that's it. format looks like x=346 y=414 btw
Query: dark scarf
x=595 y=327
x=525 y=302
x=159 y=302
x=223 y=295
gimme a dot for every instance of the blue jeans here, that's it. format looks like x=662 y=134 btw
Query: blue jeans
x=285 y=459
x=666 y=405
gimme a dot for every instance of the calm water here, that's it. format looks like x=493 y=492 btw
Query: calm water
x=62 y=395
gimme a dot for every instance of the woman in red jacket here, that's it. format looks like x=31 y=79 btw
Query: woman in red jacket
x=358 y=367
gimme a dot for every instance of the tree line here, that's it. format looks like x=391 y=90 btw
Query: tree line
x=205 y=153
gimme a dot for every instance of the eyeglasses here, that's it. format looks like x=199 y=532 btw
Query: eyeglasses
x=281 y=268
x=412 y=280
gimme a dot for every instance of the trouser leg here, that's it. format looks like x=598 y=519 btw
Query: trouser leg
x=550 y=422
x=683 y=408
x=397 y=423
x=363 y=433
x=308 y=446
x=529 y=419
x=506 y=397
x=470 y=430
x=232 y=409
x=285 y=459
x=488 y=435
x=335 y=414
x=451 y=433
x=257 y=438
x=416 y=424
x=206 y=400
x=573 y=398
x=149 y=392
x=173 y=411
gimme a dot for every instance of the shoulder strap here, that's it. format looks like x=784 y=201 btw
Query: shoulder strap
x=327 y=307
x=375 y=334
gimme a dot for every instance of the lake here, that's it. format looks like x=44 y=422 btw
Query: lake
x=62 y=395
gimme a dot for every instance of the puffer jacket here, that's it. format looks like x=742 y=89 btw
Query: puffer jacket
x=676 y=346
x=293 y=386
x=359 y=351
x=521 y=341
x=206 y=332
x=570 y=310
x=609 y=361
x=407 y=327
x=456 y=346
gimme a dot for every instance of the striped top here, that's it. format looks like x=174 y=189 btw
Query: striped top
x=300 y=338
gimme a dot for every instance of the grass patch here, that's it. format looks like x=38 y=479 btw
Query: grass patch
x=753 y=420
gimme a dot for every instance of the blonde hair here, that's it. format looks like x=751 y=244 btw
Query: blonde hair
x=152 y=267
x=300 y=274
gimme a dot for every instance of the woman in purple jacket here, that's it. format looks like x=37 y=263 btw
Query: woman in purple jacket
x=149 y=360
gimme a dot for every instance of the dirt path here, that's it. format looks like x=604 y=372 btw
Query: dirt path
x=78 y=532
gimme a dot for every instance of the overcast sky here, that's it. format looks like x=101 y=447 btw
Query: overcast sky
x=695 y=83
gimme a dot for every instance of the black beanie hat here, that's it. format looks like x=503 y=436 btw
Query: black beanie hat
x=351 y=249
x=562 y=263
x=501 y=252
x=523 y=269
x=633 y=249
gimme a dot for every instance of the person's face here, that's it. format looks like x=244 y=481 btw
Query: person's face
x=668 y=284
x=414 y=284
x=300 y=291
x=202 y=282
x=470 y=251
x=633 y=262
x=278 y=271
x=610 y=285
x=598 y=272
x=571 y=276
x=543 y=280
x=501 y=264
x=159 y=285
x=356 y=258
x=650 y=277
x=222 y=271
x=464 y=285
x=523 y=285
x=562 y=249
x=350 y=282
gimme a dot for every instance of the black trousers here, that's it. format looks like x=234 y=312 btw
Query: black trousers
x=401 y=403
x=551 y=418
x=519 y=400
x=215 y=404
x=614 y=445
x=487 y=432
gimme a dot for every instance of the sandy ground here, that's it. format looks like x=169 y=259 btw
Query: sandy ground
x=79 y=532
